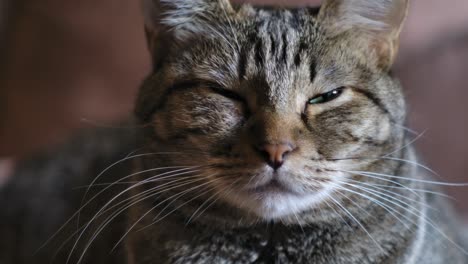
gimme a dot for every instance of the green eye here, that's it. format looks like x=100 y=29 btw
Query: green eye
x=326 y=97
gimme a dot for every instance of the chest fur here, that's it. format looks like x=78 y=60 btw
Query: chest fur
x=171 y=243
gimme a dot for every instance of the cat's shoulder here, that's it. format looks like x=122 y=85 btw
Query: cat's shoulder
x=48 y=188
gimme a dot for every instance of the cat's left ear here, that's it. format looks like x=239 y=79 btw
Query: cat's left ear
x=378 y=22
x=176 y=21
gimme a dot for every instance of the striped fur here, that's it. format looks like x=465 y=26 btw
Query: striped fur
x=234 y=77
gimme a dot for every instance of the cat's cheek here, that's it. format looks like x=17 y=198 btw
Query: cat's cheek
x=383 y=129
x=351 y=129
x=227 y=123
x=215 y=133
x=161 y=126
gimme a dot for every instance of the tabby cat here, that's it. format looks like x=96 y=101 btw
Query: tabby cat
x=269 y=135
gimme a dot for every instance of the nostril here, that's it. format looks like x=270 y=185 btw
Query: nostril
x=275 y=164
x=285 y=154
x=264 y=154
x=275 y=154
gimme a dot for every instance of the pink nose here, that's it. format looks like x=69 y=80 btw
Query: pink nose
x=275 y=154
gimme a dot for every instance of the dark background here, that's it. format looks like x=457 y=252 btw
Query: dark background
x=66 y=61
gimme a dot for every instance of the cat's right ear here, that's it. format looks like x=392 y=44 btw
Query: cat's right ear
x=154 y=29
x=152 y=15
x=172 y=22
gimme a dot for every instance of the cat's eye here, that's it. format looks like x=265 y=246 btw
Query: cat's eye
x=326 y=97
x=227 y=93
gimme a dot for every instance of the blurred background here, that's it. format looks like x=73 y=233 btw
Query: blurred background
x=66 y=65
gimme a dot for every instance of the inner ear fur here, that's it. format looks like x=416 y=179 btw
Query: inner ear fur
x=173 y=22
x=377 y=23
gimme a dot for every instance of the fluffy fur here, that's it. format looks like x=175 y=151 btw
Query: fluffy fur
x=229 y=84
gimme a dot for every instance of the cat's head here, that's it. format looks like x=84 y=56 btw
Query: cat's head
x=274 y=106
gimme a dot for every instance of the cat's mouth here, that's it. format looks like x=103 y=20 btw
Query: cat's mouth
x=273 y=186
x=273 y=195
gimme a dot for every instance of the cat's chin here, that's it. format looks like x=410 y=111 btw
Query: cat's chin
x=273 y=203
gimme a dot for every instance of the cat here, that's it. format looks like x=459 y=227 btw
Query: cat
x=268 y=134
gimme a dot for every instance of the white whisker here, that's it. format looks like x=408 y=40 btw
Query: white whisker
x=357 y=222
x=174 y=197
x=229 y=188
x=109 y=219
x=366 y=173
x=77 y=213
x=387 y=193
x=386 y=207
x=385 y=180
x=107 y=204
x=411 y=142
x=423 y=217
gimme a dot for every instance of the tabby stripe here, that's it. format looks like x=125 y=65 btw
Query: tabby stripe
x=284 y=55
x=273 y=46
x=350 y=136
x=183 y=134
x=162 y=100
x=227 y=166
x=313 y=11
x=373 y=99
x=301 y=49
x=266 y=255
x=295 y=21
x=242 y=66
x=313 y=71
x=222 y=150
x=374 y=143
x=194 y=131
x=259 y=53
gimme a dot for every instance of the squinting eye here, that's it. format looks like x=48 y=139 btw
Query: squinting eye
x=326 y=97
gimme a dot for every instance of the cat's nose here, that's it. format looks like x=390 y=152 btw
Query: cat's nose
x=275 y=154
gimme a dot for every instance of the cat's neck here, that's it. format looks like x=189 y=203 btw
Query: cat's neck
x=332 y=242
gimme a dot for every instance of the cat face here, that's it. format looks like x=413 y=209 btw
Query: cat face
x=275 y=107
